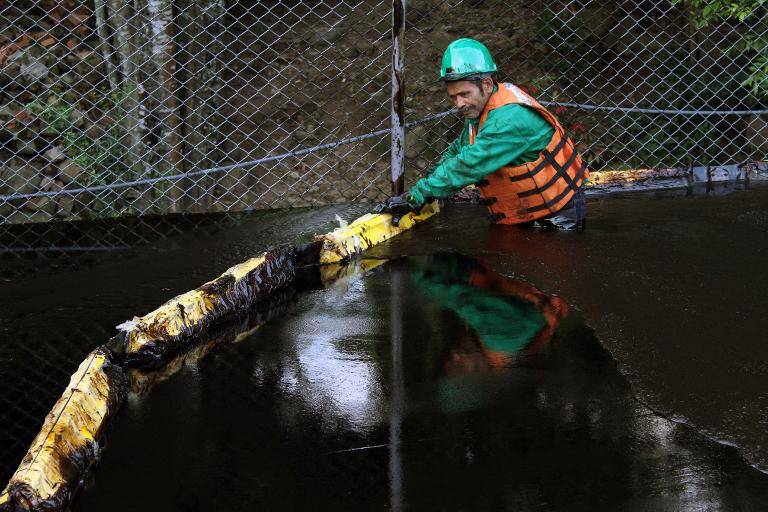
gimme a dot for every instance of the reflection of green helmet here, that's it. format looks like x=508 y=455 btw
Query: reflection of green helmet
x=466 y=57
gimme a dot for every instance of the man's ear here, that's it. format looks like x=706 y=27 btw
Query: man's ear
x=488 y=85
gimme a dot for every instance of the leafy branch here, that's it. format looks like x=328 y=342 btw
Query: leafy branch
x=753 y=14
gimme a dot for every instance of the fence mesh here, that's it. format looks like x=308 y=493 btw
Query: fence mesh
x=133 y=108
x=113 y=109
x=637 y=84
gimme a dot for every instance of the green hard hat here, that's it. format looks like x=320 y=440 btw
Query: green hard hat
x=466 y=57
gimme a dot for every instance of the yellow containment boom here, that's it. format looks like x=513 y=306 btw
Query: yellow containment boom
x=232 y=330
x=70 y=439
x=158 y=334
x=156 y=345
x=367 y=231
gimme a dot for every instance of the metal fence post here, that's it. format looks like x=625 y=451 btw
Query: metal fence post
x=398 y=96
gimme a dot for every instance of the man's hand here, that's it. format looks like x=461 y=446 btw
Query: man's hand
x=398 y=206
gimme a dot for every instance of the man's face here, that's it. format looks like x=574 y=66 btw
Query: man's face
x=468 y=97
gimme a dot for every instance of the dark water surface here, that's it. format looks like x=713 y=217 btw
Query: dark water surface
x=401 y=390
x=673 y=286
x=53 y=311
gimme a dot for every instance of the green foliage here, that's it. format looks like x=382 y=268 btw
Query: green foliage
x=678 y=140
x=669 y=141
x=98 y=151
x=102 y=154
x=98 y=148
x=566 y=34
x=651 y=141
x=757 y=81
x=99 y=156
x=753 y=44
x=54 y=116
x=709 y=11
x=562 y=29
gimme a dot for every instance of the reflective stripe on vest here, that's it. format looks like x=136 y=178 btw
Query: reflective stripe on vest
x=530 y=191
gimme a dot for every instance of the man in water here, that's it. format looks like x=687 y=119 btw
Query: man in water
x=516 y=153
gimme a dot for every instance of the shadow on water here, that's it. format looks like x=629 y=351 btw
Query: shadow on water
x=429 y=383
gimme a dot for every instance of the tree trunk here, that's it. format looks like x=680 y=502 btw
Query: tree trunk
x=130 y=98
x=201 y=46
x=105 y=43
x=161 y=95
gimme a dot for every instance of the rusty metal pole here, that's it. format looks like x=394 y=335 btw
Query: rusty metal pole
x=398 y=96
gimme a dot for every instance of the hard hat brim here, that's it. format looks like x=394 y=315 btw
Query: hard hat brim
x=458 y=77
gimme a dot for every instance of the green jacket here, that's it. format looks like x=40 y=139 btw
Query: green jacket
x=511 y=135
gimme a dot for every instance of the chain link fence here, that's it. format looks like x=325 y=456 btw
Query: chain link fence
x=113 y=109
x=114 y=114
x=636 y=84
x=130 y=109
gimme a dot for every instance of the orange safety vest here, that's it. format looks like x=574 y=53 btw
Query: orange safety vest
x=535 y=189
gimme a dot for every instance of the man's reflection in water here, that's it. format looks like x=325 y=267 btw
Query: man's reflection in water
x=504 y=316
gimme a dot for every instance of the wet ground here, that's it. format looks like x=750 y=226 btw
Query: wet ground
x=399 y=389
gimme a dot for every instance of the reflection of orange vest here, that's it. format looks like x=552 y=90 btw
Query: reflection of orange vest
x=535 y=189
x=552 y=308
x=462 y=359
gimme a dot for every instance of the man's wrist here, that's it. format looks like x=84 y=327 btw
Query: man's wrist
x=415 y=196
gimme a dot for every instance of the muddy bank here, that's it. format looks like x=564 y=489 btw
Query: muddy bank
x=672 y=284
